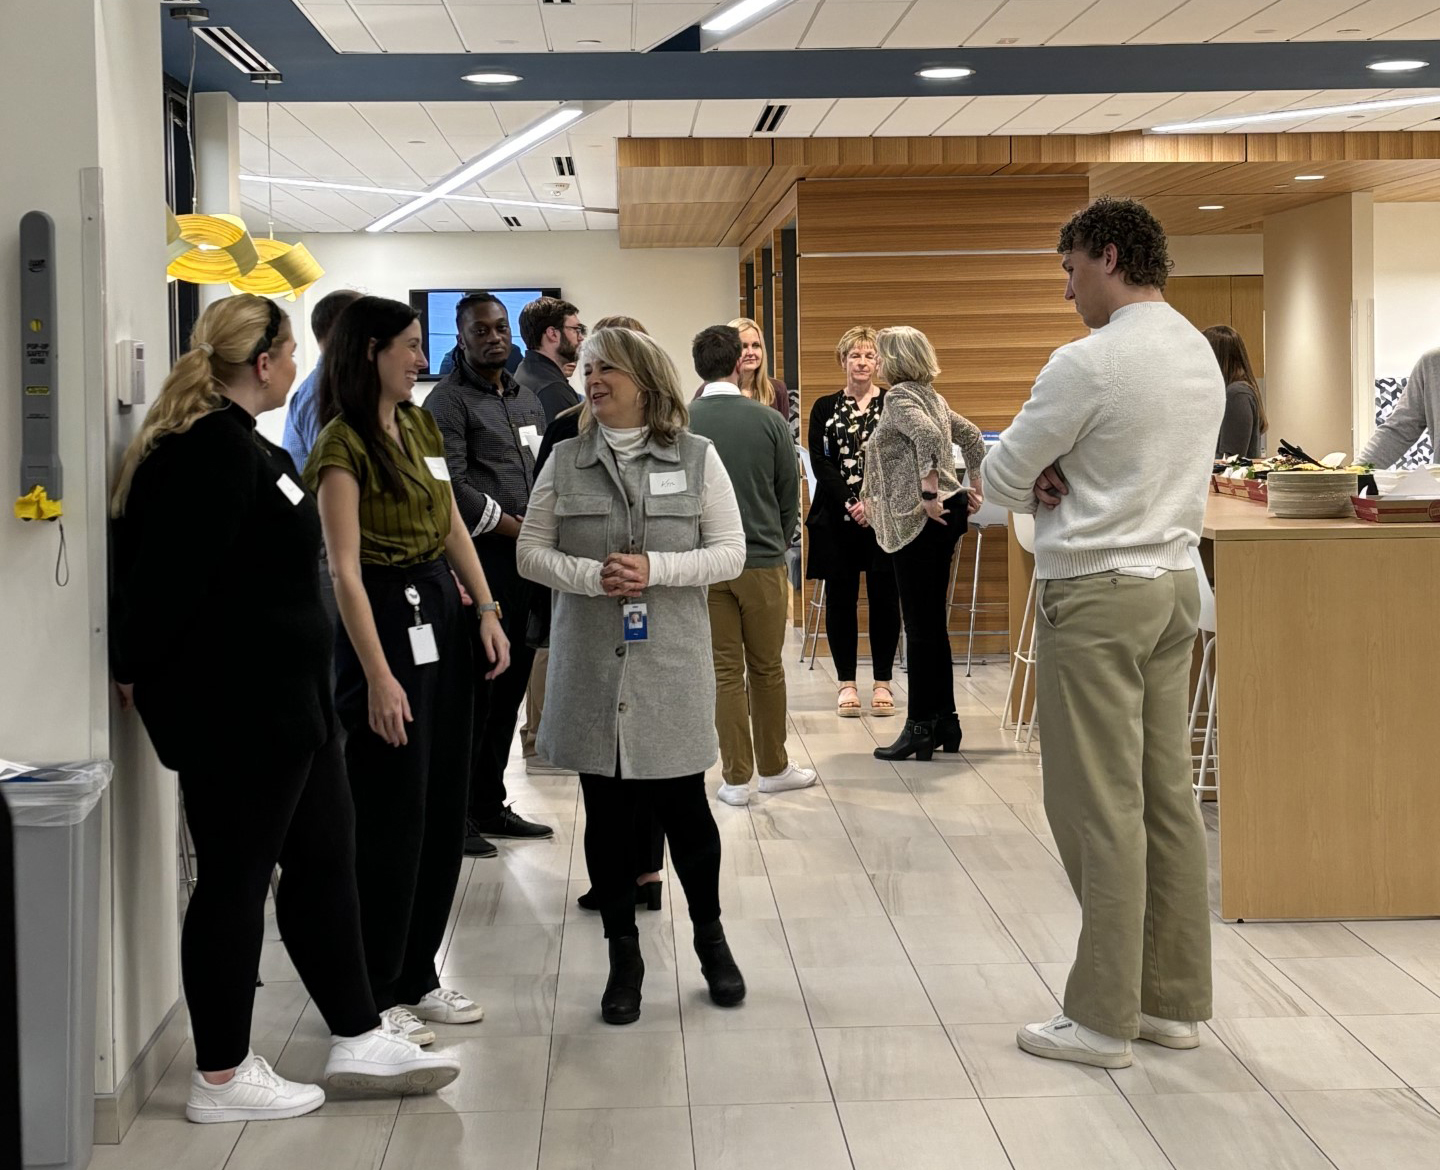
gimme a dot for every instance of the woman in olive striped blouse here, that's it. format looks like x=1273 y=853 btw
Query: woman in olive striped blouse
x=405 y=675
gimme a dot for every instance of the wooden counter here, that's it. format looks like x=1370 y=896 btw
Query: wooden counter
x=1329 y=637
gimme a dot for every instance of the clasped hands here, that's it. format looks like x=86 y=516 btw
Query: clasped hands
x=625 y=574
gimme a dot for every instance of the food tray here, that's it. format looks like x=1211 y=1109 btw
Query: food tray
x=1378 y=510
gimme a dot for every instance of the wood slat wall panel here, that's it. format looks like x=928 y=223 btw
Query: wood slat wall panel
x=1247 y=317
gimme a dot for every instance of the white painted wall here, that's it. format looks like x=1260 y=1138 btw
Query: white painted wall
x=675 y=292
x=1407 y=285
x=1232 y=255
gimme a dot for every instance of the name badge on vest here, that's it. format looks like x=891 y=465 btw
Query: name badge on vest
x=438 y=467
x=667 y=483
x=422 y=635
x=290 y=488
x=635 y=620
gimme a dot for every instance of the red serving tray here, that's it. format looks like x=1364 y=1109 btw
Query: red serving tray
x=1379 y=510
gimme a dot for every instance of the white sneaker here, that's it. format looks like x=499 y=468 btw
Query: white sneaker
x=444 y=1006
x=384 y=1061
x=255 y=1093
x=794 y=776
x=736 y=794
x=1169 y=1033
x=540 y=766
x=410 y=1025
x=1062 y=1038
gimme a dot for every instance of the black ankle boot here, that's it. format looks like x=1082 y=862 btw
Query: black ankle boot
x=650 y=895
x=918 y=740
x=621 y=1002
x=948 y=732
x=717 y=964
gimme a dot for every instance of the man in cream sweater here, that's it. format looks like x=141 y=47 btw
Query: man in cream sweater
x=1113 y=453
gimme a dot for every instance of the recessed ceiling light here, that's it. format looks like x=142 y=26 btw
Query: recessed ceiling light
x=945 y=73
x=495 y=77
x=1211 y=207
x=1347 y=30
x=1308 y=178
x=416 y=141
x=1396 y=66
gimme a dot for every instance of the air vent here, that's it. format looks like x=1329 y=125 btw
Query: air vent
x=770 y=119
x=557 y=1
x=564 y=165
x=512 y=221
x=239 y=52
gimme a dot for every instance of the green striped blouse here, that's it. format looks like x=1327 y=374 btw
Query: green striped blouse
x=405 y=529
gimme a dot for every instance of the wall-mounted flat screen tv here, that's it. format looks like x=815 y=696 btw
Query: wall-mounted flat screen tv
x=436 y=307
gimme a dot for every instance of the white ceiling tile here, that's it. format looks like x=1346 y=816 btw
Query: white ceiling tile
x=1373 y=18
x=1426 y=28
x=1028 y=22
x=254 y=218
x=283 y=123
x=464 y=119
x=940 y=23
x=562 y=221
x=853 y=24
x=782 y=29
x=1285 y=20
x=1116 y=113
x=408 y=130
x=339 y=25
x=508 y=182
x=517 y=115
x=662 y=119
x=856 y=117
x=921 y=116
x=1186 y=108
x=727 y=118
x=654 y=23
x=500 y=28
x=568 y=24
x=598 y=221
x=479 y=217
x=987 y=114
x=1051 y=112
x=1112 y=22
x=1264 y=101
x=803 y=117
x=612 y=121
x=364 y=148
x=1199 y=21
x=595 y=170
x=398 y=3
x=411 y=28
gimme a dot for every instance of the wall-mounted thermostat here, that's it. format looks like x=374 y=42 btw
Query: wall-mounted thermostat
x=130 y=372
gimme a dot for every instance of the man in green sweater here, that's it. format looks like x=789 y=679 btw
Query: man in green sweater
x=748 y=615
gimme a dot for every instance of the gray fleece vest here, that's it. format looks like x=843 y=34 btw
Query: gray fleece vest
x=651 y=704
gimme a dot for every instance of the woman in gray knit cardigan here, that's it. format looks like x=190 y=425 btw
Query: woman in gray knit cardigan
x=910 y=495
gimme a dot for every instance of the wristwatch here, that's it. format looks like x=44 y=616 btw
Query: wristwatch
x=489 y=607
x=927 y=496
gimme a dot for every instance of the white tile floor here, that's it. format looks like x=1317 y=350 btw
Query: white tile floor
x=895 y=925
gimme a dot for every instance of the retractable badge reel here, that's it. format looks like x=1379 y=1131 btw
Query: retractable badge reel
x=635 y=616
x=422 y=634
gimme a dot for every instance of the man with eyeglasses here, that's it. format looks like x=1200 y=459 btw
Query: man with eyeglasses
x=492 y=427
x=552 y=333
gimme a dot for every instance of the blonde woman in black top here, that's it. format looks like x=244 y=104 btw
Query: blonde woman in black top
x=842 y=539
x=219 y=637
x=405 y=670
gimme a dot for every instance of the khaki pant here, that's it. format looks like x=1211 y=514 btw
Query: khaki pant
x=1113 y=690
x=747 y=635
x=534 y=704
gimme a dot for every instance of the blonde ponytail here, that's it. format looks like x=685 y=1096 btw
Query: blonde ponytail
x=227 y=340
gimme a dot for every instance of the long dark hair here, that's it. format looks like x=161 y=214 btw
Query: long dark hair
x=1234 y=361
x=350 y=376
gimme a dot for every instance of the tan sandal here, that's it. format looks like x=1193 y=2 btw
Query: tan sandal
x=849 y=708
x=882 y=701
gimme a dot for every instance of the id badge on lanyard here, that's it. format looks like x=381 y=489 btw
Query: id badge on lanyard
x=634 y=615
x=422 y=635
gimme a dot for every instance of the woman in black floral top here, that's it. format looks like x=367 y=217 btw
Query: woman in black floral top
x=842 y=542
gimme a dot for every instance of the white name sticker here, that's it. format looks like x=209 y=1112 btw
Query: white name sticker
x=666 y=483
x=530 y=437
x=290 y=488
x=437 y=467
x=422 y=645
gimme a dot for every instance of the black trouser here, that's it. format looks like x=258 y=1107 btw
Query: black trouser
x=497 y=702
x=245 y=815
x=612 y=808
x=856 y=551
x=922 y=576
x=409 y=800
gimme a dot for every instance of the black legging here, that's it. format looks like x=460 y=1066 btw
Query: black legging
x=856 y=551
x=922 y=576
x=245 y=815
x=681 y=808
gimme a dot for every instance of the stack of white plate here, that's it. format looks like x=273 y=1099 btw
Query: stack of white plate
x=1311 y=495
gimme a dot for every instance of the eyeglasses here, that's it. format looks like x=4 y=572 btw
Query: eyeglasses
x=580 y=330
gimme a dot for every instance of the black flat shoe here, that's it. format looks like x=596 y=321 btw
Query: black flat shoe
x=717 y=964
x=477 y=845
x=621 y=1002
x=649 y=895
x=510 y=824
x=948 y=732
x=918 y=740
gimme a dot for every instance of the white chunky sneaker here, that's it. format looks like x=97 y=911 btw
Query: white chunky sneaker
x=410 y=1024
x=384 y=1061
x=444 y=1006
x=794 y=776
x=1169 y=1033
x=1062 y=1038
x=736 y=794
x=255 y=1093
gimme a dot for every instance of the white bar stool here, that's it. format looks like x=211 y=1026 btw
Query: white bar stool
x=1205 y=762
x=1022 y=664
x=989 y=516
x=815 y=607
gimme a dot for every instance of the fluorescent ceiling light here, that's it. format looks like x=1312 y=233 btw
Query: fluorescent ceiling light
x=737 y=14
x=1397 y=66
x=494 y=77
x=277 y=181
x=945 y=73
x=1308 y=178
x=1295 y=115
x=494 y=158
x=1211 y=207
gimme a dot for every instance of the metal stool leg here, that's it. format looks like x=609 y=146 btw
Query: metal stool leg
x=819 y=606
x=974 y=598
x=1020 y=654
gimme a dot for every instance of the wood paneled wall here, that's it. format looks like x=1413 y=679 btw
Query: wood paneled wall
x=982 y=280
x=1237 y=301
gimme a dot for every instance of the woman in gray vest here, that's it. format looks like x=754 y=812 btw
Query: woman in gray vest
x=629 y=523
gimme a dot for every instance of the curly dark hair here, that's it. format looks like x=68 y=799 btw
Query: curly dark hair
x=1143 y=258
